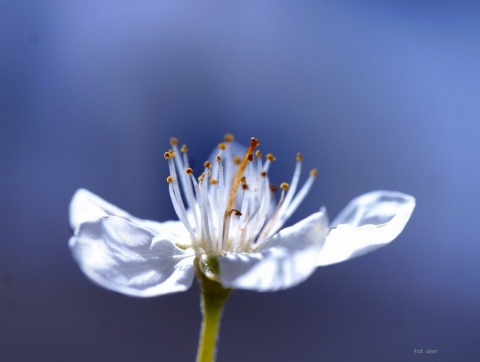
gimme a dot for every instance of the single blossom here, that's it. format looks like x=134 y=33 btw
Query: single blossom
x=231 y=223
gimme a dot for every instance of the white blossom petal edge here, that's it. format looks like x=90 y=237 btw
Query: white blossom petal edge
x=369 y=222
x=230 y=224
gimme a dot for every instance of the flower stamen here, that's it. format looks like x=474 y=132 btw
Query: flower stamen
x=180 y=210
x=266 y=230
x=231 y=186
x=182 y=163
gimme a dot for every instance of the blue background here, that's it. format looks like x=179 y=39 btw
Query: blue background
x=375 y=94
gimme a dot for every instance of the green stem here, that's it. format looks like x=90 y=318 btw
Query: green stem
x=213 y=299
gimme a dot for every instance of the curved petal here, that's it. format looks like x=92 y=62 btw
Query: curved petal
x=284 y=261
x=123 y=257
x=86 y=206
x=367 y=223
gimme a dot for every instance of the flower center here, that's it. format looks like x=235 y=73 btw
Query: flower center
x=231 y=206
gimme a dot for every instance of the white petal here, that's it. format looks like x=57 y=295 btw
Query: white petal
x=287 y=259
x=121 y=256
x=367 y=223
x=86 y=206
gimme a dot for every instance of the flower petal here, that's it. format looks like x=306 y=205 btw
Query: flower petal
x=367 y=223
x=284 y=261
x=86 y=206
x=123 y=257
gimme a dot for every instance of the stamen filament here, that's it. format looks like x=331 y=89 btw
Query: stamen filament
x=266 y=231
x=187 y=187
x=296 y=201
x=176 y=190
x=208 y=209
x=301 y=195
x=221 y=203
x=293 y=184
x=181 y=214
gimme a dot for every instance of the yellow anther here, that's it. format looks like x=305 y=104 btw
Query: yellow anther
x=168 y=154
x=237 y=160
x=284 y=186
x=207 y=164
x=173 y=141
x=184 y=149
x=229 y=137
x=201 y=177
x=189 y=171
x=270 y=157
x=222 y=146
x=170 y=179
x=213 y=181
x=299 y=157
x=258 y=154
x=313 y=172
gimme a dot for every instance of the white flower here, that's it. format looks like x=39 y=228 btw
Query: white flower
x=231 y=224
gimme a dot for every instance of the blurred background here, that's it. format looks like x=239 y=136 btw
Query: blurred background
x=376 y=95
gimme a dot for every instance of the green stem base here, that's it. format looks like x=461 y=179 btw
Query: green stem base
x=213 y=300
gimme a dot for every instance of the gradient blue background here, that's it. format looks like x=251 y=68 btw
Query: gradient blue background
x=377 y=95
